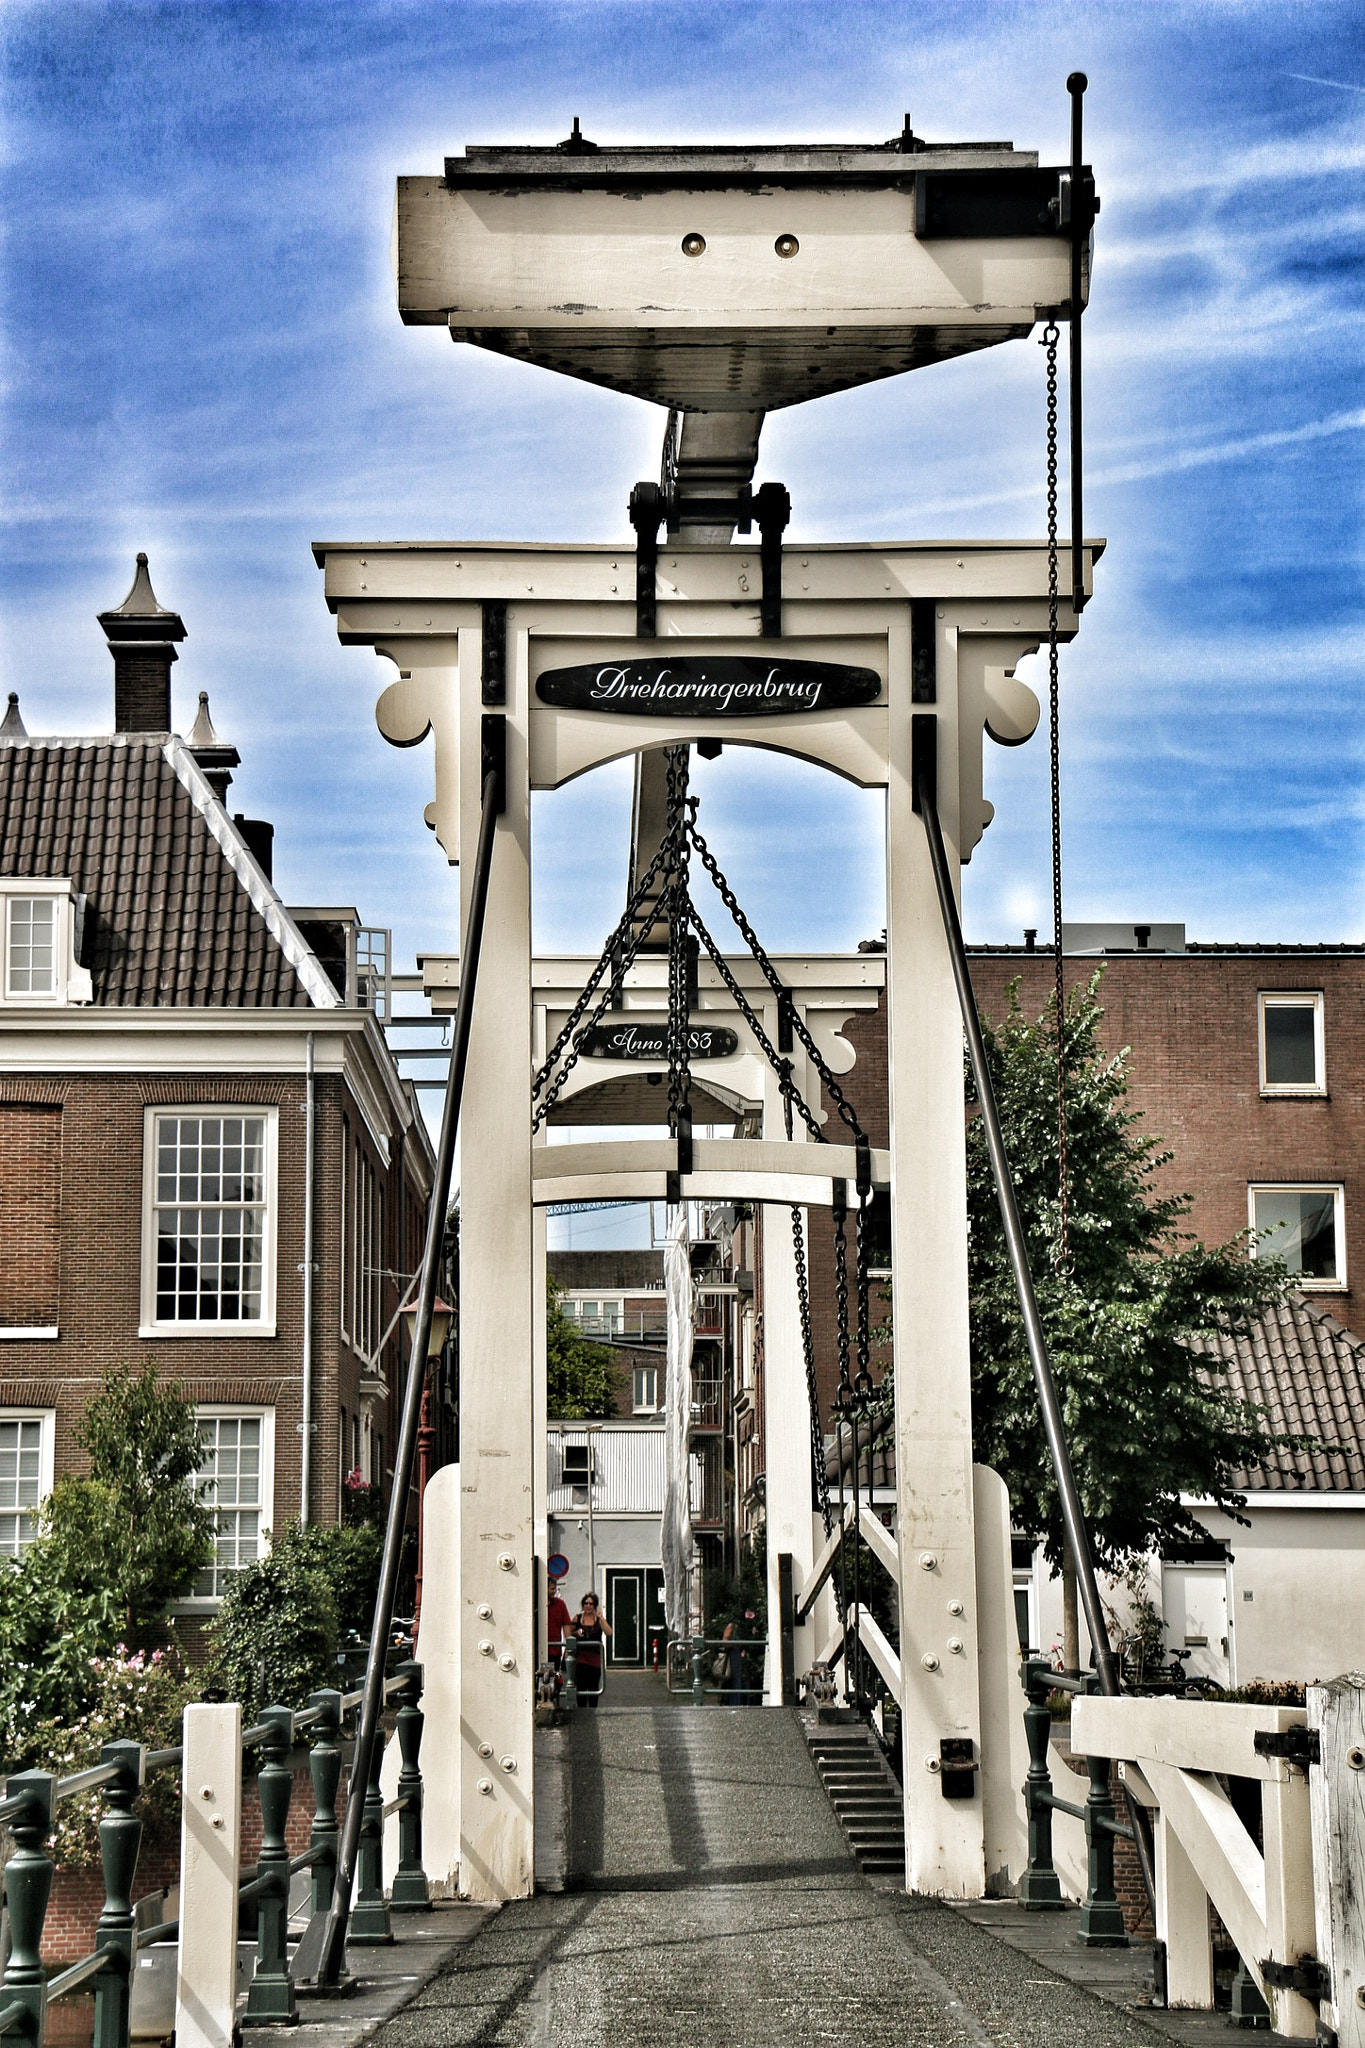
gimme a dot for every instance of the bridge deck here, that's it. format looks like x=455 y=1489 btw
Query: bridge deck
x=713 y=1899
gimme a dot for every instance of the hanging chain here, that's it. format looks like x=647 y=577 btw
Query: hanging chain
x=679 y=920
x=751 y=939
x=624 y=944
x=1051 y=335
x=863 y=1383
x=817 y=1440
x=782 y=1067
x=844 y=1398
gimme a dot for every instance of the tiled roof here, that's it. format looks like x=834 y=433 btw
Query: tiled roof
x=1307 y=1373
x=178 y=913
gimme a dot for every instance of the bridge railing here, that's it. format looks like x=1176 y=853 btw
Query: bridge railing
x=1258 y=1811
x=213 y=1885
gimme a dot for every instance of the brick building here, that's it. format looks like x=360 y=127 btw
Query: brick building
x=207 y=1156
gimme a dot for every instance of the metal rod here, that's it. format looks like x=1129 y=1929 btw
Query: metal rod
x=1080 y=230
x=1073 y=1516
x=334 y=1933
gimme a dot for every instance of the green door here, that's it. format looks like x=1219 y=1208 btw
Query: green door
x=625 y=1600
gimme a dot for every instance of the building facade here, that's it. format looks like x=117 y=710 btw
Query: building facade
x=207 y=1157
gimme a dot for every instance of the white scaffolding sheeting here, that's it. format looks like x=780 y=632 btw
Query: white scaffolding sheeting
x=676 y=1535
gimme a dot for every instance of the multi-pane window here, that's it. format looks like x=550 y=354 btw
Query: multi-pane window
x=232 y=1482
x=1292 y=1060
x=1303 y=1227
x=31 y=967
x=21 y=1482
x=645 y=1389
x=362 y=1248
x=210 y=1217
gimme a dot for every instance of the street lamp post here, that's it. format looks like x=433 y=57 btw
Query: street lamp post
x=441 y=1317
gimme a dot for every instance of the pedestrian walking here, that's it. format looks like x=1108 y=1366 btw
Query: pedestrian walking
x=558 y=1617
x=592 y=1630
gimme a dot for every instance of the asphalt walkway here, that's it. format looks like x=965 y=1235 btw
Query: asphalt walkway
x=712 y=1899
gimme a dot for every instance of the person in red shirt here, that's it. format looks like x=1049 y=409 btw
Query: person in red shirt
x=557 y=1619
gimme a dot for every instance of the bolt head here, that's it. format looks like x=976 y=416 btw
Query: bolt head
x=485 y=1611
x=508 y=1661
x=485 y=1749
x=928 y=1561
x=955 y=1645
x=506 y=1561
x=933 y=1763
x=486 y=1787
x=955 y=1607
x=508 y=1763
x=485 y=1648
x=929 y=1661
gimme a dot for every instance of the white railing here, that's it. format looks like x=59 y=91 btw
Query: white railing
x=1292 y=1903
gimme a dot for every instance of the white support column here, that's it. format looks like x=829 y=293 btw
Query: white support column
x=540 y=1481
x=1004 y=1750
x=944 y=1838
x=786 y=1403
x=1182 y=1921
x=210 y=1869
x=786 y=1427
x=438 y=1652
x=497 y=1332
x=1287 y=1832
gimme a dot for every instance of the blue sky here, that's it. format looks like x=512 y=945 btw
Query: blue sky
x=203 y=360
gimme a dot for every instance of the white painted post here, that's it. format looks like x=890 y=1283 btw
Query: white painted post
x=1286 y=1831
x=210 y=1869
x=945 y=1843
x=786 y=1423
x=1004 y=1750
x=438 y=1652
x=1182 y=1922
x=497 y=1323
x=1337 y=1802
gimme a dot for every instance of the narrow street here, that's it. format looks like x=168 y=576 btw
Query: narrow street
x=713 y=1900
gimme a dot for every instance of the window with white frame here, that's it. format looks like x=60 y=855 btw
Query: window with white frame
x=236 y=1480
x=25 y=1476
x=208 y=1260
x=41 y=920
x=1292 y=1050
x=645 y=1389
x=1304 y=1227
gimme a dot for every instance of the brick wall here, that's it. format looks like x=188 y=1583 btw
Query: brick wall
x=30 y=1213
x=1191 y=1020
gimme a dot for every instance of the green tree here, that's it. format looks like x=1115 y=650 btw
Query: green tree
x=1148 y=1415
x=581 y=1377
x=136 y=1525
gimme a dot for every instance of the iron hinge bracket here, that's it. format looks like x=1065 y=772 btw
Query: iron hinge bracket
x=1301 y=1746
x=1310 y=1978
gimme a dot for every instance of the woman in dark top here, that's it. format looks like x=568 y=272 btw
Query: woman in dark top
x=591 y=1630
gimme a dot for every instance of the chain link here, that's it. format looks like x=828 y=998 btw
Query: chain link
x=751 y=939
x=1051 y=335
x=817 y=1439
x=791 y=1095
x=679 y=912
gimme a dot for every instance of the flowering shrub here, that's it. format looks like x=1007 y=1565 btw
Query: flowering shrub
x=136 y=1698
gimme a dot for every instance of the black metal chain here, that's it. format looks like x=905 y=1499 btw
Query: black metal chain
x=863 y=1383
x=843 y=1400
x=621 y=948
x=782 y=1067
x=1051 y=335
x=679 y=922
x=751 y=939
x=817 y=1440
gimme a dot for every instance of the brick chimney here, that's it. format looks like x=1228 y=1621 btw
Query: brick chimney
x=141 y=636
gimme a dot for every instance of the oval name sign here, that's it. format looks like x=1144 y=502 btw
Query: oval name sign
x=709 y=686
x=625 y=1041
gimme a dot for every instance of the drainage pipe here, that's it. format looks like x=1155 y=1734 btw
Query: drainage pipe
x=309 y=1141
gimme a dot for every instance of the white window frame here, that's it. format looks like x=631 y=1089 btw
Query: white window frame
x=644 y=1407
x=241 y=1411
x=1295 y=999
x=1306 y=1281
x=47 y=1419
x=264 y=1325
x=72 y=983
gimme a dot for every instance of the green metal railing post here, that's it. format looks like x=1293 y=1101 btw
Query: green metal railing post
x=324 y=1765
x=370 y=1915
x=270 y=2001
x=28 y=1883
x=568 y=1698
x=698 y=1672
x=1101 y=1915
x=120 y=1840
x=1039 y=1887
x=410 y=1894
